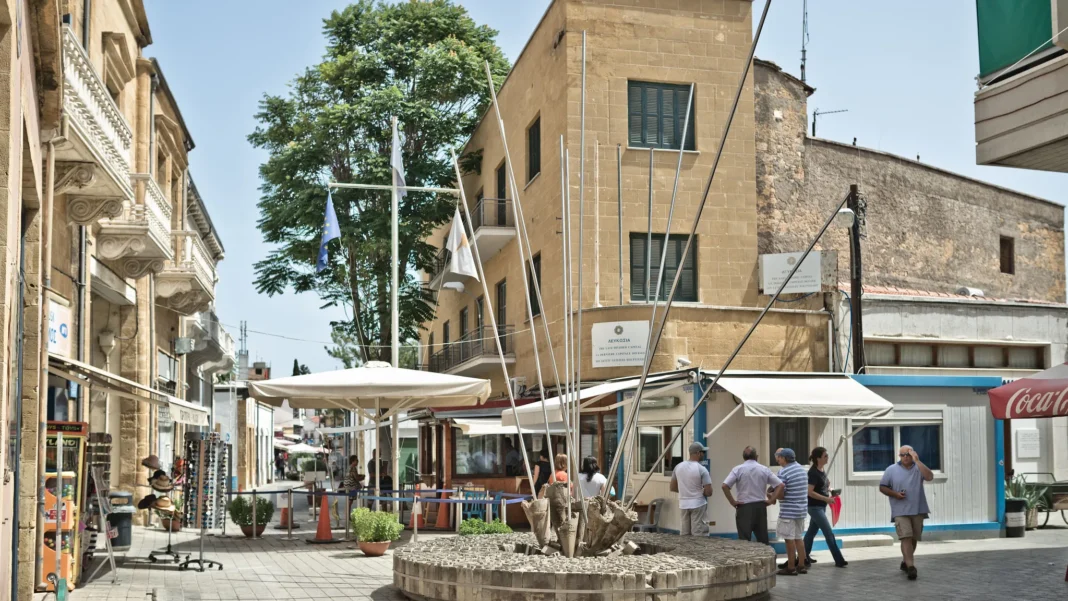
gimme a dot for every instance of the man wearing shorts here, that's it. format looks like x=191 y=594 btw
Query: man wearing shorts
x=903 y=483
x=792 y=511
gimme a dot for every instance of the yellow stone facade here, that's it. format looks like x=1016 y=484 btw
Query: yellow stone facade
x=701 y=42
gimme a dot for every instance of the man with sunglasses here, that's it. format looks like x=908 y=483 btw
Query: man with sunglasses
x=903 y=483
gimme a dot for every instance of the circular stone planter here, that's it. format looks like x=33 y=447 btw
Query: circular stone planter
x=477 y=568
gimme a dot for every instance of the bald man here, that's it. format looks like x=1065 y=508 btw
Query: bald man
x=903 y=483
x=751 y=480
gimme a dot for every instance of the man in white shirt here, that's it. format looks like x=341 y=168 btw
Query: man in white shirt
x=694 y=484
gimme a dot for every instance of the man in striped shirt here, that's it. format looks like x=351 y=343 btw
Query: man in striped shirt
x=792 y=511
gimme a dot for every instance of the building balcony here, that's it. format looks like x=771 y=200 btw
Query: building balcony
x=475 y=354
x=93 y=159
x=213 y=347
x=494 y=221
x=139 y=240
x=186 y=284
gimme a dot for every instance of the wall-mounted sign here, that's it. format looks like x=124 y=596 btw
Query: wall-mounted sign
x=775 y=268
x=60 y=328
x=1028 y=443
x=619 y=343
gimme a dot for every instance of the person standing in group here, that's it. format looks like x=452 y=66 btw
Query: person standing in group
x=592 y=480
x=753 y=481
x=792 y=511
x=561 y=468
x=903 y=483
x=819 y=495
x=542 y=471
x=694 y=484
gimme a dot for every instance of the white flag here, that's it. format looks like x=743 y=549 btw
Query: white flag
x=462 y=262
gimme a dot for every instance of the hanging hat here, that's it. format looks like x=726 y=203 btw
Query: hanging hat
x=161 y=482
x=157 y=474
x=151 y=462
x=146 y=502
x=163 y=504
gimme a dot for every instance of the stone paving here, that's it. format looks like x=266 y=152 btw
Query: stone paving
x=1025 y=569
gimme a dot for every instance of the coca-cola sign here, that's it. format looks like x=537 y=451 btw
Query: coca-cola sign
x=1042 y=395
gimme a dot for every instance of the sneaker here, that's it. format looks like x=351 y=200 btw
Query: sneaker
x=912 y=573
x=787 y=572
x=904 y=568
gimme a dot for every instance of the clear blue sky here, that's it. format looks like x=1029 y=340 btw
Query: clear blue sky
x=904 y=70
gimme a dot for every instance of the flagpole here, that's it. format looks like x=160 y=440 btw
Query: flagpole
x=394 y=306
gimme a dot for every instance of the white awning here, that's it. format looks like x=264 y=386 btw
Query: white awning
x=796 y=395
x=531 y=415
x=493 y=427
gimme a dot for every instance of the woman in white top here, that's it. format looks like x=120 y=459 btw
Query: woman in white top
x=592 y=480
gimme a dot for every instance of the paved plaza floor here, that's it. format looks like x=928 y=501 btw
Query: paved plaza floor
x=1031 y=568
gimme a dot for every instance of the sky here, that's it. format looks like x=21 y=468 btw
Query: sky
x=904 y=71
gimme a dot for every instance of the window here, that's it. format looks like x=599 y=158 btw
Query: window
x=463 y=323
x=535 y=276
x=789 y=433
x=687 y=291
x=534 y=149
x=875 y=447
x=883 y=353
x=502 y=300
x=651 y=441
x=494 y=455
x=445 y=334
x=480 y=310
x=655 y=115
x=502 y=195
x=1008 y=255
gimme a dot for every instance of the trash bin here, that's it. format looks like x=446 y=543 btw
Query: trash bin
x=121 y=519
x=1015 y=518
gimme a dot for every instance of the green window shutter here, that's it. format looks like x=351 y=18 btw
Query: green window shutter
x=637 y=266
x=668 y=120
x=634 y=114
x=651 y=113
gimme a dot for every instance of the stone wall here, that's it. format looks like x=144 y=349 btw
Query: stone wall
x=927 y=229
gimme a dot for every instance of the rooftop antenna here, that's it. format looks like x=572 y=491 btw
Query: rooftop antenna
x=817 y=113
x=804 y=38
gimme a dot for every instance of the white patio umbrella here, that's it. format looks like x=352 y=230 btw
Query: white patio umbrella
x=376 y=385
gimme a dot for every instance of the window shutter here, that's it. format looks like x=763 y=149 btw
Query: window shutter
x=668 y=119
x=637 y=266
x=502 y=181
x=652 y=116
x=634 y=114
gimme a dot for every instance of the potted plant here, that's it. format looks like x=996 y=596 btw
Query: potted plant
x=375 y=530
x=172 y=521
x=314 y=470
x=1030 y=494
x=241 y=514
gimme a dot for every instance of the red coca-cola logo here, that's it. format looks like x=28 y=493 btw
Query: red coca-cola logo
x=1024 y=403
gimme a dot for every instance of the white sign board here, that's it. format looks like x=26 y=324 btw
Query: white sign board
x=619 y=343
x=1028 y=443
x=59 y=329
x=775 y=268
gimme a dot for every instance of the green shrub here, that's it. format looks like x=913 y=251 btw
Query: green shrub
x=1030 y=493
x=475 y=527
x=375 y=526
x=313 y=465
x=241 y=511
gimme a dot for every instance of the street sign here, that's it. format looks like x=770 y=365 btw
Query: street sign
x=775 y=268
x=619 y=343
x=59 y=328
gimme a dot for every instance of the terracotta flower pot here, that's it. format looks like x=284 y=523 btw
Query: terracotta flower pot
x=374 y=549
x=172 y=524
x=247 y=530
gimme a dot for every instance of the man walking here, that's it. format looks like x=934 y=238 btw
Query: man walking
x=903 y=483
x=694 y=484
x=792 y=511
x=752 y=481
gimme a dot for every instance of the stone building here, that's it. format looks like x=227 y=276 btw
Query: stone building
x=119 y=256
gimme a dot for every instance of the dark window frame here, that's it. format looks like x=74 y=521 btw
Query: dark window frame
x=501 y=173
x=778 y=439
x=648 y=113
x=465 y=324
x=534 y=149
x=638 y=293
x=502 y=302
x=1007 y=250
x=535 y=308
x=445 y=334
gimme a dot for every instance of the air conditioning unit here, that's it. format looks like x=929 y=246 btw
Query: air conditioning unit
x=518 y=385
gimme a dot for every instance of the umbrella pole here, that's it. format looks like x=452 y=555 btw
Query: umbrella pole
x=395 y=451
x=378 y=454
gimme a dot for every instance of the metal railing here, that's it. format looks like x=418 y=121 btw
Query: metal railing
x=493 y=212
x=441 y=262
x=475 y=344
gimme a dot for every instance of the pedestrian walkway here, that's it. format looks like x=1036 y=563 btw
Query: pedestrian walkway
x=273 y=567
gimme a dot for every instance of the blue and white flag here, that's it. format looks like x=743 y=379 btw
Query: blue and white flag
x=330 y=231
x=462 y=261
x=397 y=163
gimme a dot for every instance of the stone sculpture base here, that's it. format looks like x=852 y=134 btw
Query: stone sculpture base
x=495 y=567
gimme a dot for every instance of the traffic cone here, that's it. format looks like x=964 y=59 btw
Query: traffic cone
x=443 y=513
x=322 y=533
x=417 y=513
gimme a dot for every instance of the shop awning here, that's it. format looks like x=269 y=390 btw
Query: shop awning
x=494 y=427
x=805 y=395
x=1044 y=394
x=104 y=381
x=532 y=416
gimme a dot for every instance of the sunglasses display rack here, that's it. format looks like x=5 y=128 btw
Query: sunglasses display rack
x=98 y=463
x=203 y=493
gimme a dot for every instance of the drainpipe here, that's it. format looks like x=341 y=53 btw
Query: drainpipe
x=42 y=392
x=85 y=25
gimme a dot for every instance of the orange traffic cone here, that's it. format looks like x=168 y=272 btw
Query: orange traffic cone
x=322 y=533
x=417 y=513
x=443 y=513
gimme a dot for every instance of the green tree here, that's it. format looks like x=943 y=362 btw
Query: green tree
x=299 y=369
x=419 y=61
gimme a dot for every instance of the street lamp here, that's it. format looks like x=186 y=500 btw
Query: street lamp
x=845 y=218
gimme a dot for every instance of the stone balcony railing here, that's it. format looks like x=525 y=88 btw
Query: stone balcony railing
x=94 y=159
x=139 y=239
x=213 y=350
x=186 y=284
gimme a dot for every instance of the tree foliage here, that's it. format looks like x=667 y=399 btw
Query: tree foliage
x=419 y=61
x=299 y=369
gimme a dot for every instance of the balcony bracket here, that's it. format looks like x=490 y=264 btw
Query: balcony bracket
x=86 y=210
x=73 y=175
